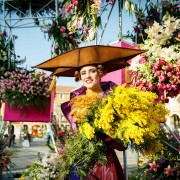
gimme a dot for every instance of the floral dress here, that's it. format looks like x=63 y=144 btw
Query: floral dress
x=112 y=170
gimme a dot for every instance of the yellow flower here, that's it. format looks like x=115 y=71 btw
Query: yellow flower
x=128 y=114
x=80 y=105
x=22 y=178
x=87 y=130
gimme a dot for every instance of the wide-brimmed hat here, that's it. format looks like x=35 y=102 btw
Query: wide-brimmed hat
x=66 y=64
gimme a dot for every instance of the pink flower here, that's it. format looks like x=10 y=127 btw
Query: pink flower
x=153 y=166
x=111 y=2
x=169 y=67
x=179 y=34
x=53 y=24
x=60 y=152
x=60 y=133
x=56 y=47
x=160 y=86
x=68 y=8
x=62 y=29
x=142 y=60
x=158 y=73
x=162 y=62
x=168 y=86
x=139 y=75
x=144 y=89
x=174 y=87
x=70 y=37
x=162 y=97
x=169 y=74
x=75 y=2
x=151 y=87
x=171 y=94
x=168 y=171
x=162 y=78
x=138 y=83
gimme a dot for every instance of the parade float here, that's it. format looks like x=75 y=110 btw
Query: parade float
x=152 y=72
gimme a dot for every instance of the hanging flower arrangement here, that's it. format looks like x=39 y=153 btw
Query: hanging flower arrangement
x=22 y=88
x=158 y=70
x=76 y=22
x=148 y=13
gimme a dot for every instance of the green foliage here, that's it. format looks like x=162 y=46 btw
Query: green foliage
x=80 y=153
x=8 y=60
x=36 y=172
x=5 y=155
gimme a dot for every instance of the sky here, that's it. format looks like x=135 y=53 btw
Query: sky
x=32 y=44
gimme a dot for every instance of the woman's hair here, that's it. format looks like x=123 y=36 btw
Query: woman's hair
x=99 y=67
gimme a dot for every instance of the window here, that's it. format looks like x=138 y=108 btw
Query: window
x=176 y=121
x=61 y=96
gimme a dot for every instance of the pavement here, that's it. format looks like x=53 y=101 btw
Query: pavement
x=25 y=157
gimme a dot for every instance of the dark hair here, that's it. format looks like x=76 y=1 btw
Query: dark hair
x=99 y=67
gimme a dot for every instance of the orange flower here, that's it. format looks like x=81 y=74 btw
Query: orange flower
x=168 y=171
x=153 y=166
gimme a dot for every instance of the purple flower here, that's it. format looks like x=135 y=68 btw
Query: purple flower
x=4 y=34
x=64 y=35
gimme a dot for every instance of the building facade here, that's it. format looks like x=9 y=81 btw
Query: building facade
x=62 y=95
x=173 y=119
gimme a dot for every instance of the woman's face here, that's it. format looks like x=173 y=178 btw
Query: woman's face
x=90 y=77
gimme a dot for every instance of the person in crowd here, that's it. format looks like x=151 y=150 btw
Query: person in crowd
x=48 y=137
x=11 y=135
x=26 y=137
x=91 y=75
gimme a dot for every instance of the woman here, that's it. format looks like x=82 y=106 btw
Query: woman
x=91 y=75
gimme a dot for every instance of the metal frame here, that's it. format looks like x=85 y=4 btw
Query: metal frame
x=14 y=21
x=11 y=20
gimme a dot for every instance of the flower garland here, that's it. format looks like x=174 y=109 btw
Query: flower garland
x=24 y=88
x=76 y=22
x=158 y=70
x=148 y=13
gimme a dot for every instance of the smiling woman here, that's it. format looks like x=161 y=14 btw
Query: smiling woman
x=91 y=75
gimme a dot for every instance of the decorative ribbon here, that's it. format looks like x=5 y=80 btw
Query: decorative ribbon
x=127 y=76
x=53 y=84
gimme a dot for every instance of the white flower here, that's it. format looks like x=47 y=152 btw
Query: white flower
x=91 y=34
x=135 y=63
x=127 y=5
